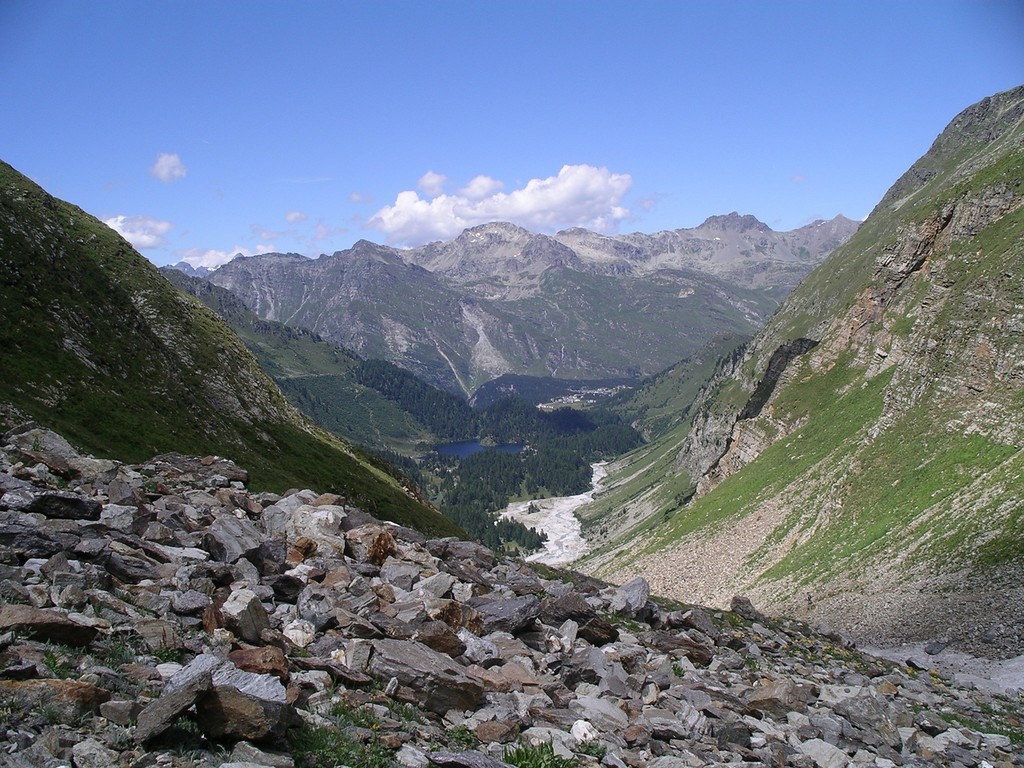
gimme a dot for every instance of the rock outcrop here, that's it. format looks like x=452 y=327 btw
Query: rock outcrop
x=195 y=621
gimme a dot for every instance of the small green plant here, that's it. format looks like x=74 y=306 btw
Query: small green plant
x=13 y=598
x=345 y=714
x=403 y=711
x=539 y=756
x=117 y=653
x=593 y=748
x=313 y=747
x=120 y=738
x=12 y=708
x=166 y=655
x=51 y=713
x=189 y=725
x=625 y=622
x=58 y=660
x=461 y=737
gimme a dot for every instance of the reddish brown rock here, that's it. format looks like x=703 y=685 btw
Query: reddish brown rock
x=441 y=637
x=267 y=660
x=44 y=625
x=370 y=544
x=72 y=698
x=497 y=731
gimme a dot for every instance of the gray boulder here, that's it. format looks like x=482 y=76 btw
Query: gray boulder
x=231 y=538
x=436 y=682
x=61 y=505
x=245 y=615
x=631 y=597
x=244 y=705
x=180 y=693
x=742 y=607
x=512 y=615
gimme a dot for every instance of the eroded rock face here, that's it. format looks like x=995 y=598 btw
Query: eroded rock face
x=246 y=628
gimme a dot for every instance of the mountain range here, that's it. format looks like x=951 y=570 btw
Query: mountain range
x=860 y=461
x=499 y=299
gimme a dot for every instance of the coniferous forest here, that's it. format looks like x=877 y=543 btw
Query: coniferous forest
x=558 y=448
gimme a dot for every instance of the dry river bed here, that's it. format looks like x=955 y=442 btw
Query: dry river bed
x=556 y=518
x=994 y=676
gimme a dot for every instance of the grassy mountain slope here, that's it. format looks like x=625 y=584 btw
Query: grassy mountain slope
x=867 y=446
x=97 y=345
x=318 y=377
x=644 y=487
x=663 y=401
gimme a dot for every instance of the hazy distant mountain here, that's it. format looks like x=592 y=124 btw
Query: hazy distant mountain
x=502 y=259
x=499 y=299
x=188 y=269
x=733 y=246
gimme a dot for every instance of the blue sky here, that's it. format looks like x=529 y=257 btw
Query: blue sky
x=202 y=129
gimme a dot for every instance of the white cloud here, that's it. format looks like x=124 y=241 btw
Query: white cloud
x=480 y=187
x=168 y=167
x=294 y=217
x=322 y=232
x=432 y=183
x=580 y=195
x=262 y=233
x=211 y=258
x=140 y=231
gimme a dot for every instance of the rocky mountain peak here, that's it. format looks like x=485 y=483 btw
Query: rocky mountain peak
x=734 y=222
x=272 y=257
x=495 y=230
x=971 y=138
x=368 y=250
x=191 y=271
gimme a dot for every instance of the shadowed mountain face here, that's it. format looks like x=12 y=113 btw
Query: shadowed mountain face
x=499 y=299
x=96 y=343
x=866 y=446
